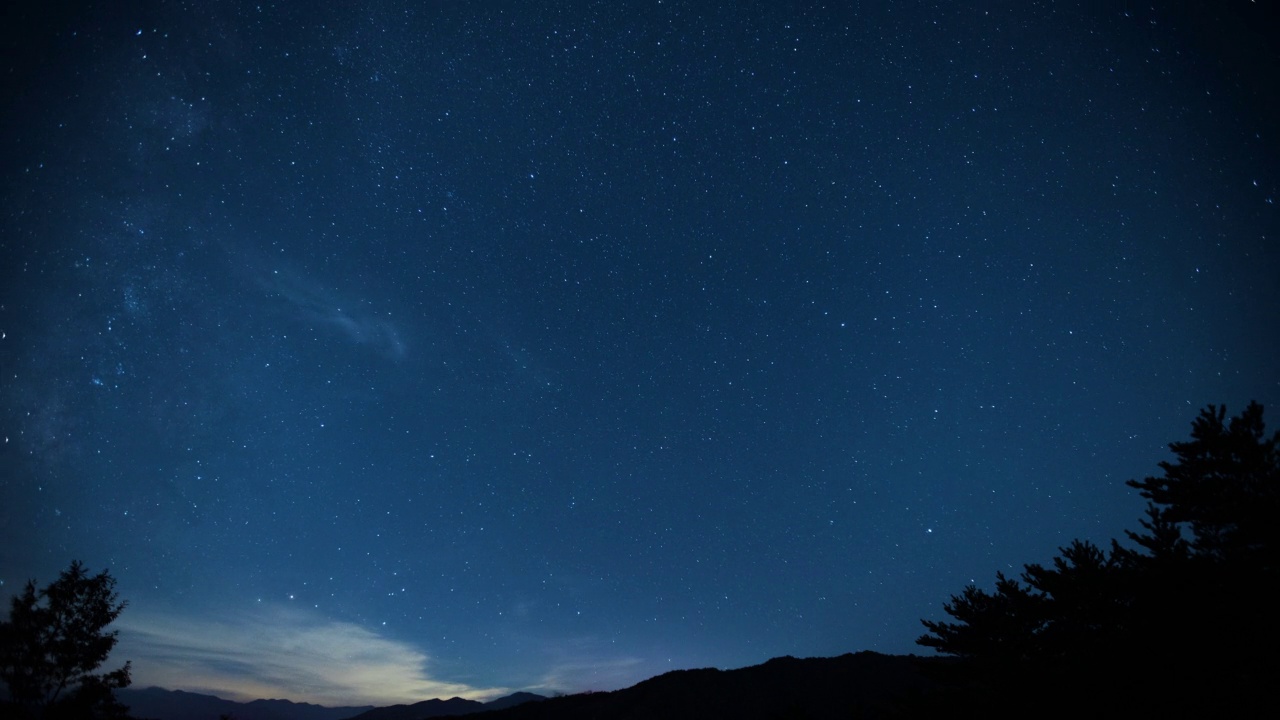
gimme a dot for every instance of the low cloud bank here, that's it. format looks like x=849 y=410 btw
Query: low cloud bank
x=277 y=652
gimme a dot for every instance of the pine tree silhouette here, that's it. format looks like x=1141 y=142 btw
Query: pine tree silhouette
x=1180 y=622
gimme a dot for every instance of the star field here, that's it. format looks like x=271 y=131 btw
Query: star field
x=407 y=350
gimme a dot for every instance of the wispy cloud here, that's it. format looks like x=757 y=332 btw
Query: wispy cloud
x=582 y=663
x=344 y=316
x=599 y=674
x=281 y=653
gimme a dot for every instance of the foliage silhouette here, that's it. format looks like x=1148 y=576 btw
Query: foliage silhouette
x=1179 y=623
x=1224 y=487
x=53 y=642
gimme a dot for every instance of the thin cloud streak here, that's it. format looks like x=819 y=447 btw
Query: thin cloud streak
x=595 y=675
x=282 y=653
x=588 y=663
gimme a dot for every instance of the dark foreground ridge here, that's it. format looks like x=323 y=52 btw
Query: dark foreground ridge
x=862 y=685
x=445 y=708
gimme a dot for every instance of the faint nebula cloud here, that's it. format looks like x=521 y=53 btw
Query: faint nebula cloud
x=345 y=317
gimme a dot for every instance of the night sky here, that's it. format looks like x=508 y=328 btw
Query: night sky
x=393 y=350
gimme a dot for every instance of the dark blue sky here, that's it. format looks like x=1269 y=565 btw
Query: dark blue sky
x=416 y=349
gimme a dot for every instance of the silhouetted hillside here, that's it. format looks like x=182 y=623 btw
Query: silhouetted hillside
x=445 y=708
x=512 y=700
x=863 y=685
x=159 y=704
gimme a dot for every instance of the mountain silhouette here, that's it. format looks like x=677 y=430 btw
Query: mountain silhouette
x=864 y=685
x=155 y=703
x=445 y=708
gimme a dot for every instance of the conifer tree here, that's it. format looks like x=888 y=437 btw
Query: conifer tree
x=1180 y=621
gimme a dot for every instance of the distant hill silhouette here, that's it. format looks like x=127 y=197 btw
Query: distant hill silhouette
x=156 y=703
x=445 y=708
x=862 y=685
x=159 y=704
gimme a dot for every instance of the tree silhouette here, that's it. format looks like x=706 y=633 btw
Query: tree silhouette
x=55 y=640
x=998 y=628
x=1225 y=488
x=1182 y=622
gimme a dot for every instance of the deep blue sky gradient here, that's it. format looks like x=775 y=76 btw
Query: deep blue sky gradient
x=507 y=345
